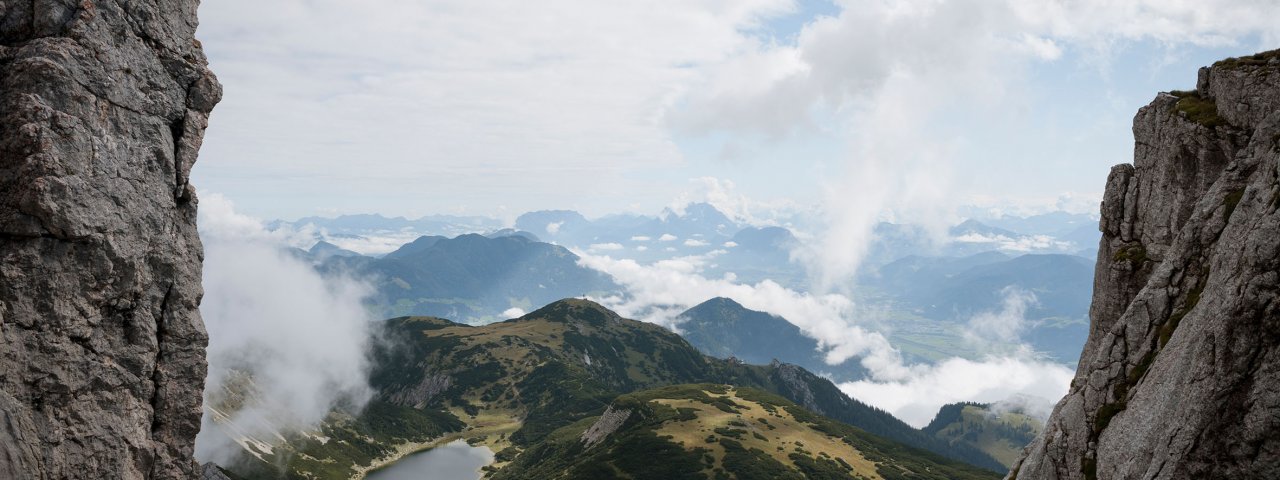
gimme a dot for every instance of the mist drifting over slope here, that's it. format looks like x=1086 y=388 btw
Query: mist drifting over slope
x=286 y=345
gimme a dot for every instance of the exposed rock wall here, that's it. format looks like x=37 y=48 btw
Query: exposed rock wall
x=1180 y=377
x=103 y=105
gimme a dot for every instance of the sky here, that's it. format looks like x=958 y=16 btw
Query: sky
x=457 y=106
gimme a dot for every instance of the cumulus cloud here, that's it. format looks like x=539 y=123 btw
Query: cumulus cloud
x=917 y=397
x=285 y=344
x=640 y=238
x=606 y=246
x=667 y=237
x=730 y=244
x=554 y=227
x=513 y=312
x=695 y=243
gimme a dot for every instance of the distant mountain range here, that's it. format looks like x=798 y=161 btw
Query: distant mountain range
x=469 y=277
x=698 y=228
x=478 y=278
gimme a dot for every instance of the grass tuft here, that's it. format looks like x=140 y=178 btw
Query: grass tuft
x=1199 y=109
x=1255 y=60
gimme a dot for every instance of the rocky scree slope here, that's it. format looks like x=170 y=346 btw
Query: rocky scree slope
x=103 y=106
x=1180 y=377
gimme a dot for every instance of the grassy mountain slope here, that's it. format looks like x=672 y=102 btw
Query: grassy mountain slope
x=713 y=431
x=1000 y=434
x=512 y=384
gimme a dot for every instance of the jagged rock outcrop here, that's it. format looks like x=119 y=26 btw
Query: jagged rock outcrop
x=1180 y=377
x=103 y=106
x=608 y=423
x=421 y=394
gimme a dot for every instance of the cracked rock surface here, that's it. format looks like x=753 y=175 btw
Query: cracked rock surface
x=103 y=106
x=1180 y=377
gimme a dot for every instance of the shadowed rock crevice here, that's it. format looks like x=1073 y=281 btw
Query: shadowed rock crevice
x=1180 y=377
x=103 y=106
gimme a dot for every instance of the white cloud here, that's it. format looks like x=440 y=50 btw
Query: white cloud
x=641 y=248
x=1044 y=48
x=1012 y=378
x=917 y=397
x=554 y=227
x=1071 y=202
x=379 y=243
x=513 y=312
x=1006 y=325
x=1029 y=405
x=606 y=246
x=723 y=194
x=695 y=243
x=640 y=238
x=258 y=300
x=1021 y=244
x=667 y=237
x=730 y=244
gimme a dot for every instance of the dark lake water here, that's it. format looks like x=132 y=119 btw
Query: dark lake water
x=455 y=461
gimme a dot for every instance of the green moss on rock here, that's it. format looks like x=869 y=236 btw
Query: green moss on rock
x=1135 y=254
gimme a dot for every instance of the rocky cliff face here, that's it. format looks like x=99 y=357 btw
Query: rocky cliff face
x=103 y=105
x=1180 y=377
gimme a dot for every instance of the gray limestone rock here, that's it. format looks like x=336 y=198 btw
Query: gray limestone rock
x=1180 y=377
x=608 y=423
x=103 y=105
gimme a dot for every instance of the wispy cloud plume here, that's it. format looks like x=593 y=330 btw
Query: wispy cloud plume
x=285 y=345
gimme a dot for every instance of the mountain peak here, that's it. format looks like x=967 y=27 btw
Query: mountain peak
x=417 y=245
x=570 y=309
x=720 y=302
